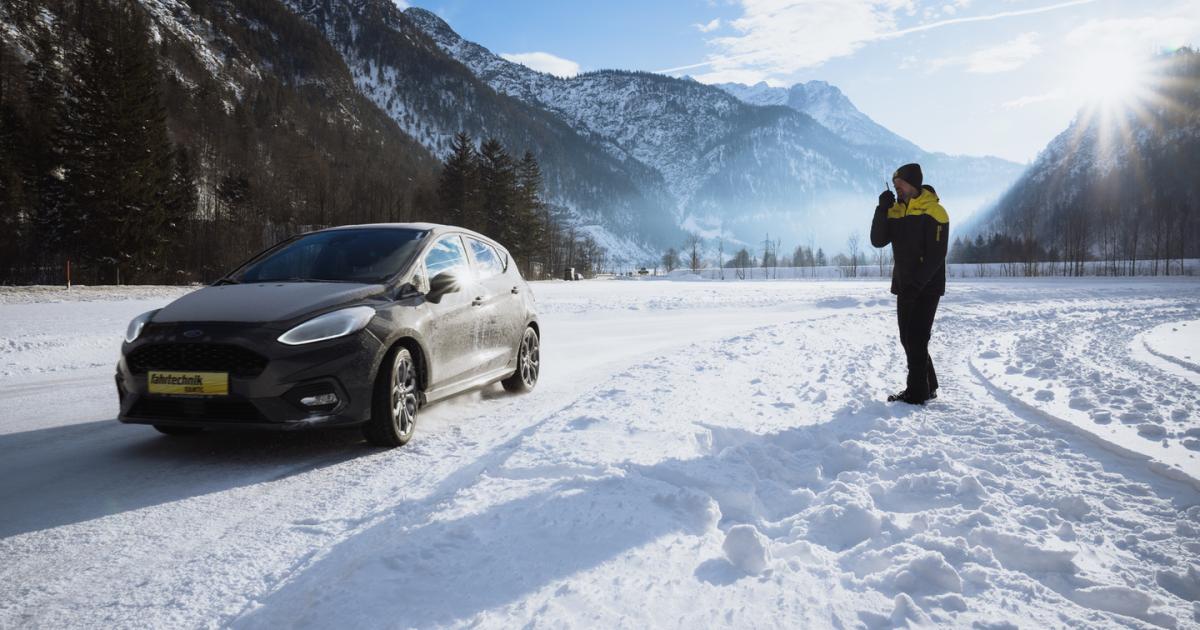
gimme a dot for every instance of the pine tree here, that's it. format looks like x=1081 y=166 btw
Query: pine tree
x=12 y=189
x=44 y=144
x=459 y=183
x=527 y=239
x=120 y=155
x=181 y=201
x=497 y=189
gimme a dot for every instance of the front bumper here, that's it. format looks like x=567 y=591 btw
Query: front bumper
x=266 y=398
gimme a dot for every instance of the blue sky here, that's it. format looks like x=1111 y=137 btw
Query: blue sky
x=998 y=77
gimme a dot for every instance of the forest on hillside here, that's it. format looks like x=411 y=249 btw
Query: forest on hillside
x=123 y=155
x=1120 y=187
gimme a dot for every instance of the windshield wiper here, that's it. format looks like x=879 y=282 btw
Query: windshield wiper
x=225 y=281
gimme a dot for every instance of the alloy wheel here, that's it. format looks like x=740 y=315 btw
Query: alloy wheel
x=530 y=358
x=404 y=395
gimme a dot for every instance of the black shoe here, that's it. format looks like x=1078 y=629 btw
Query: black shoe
x=903 y=397
x=903 y=394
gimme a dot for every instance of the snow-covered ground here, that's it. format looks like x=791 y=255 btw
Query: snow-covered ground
x=696 y=454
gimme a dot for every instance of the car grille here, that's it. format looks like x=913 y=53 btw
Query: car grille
x=199 y=357
x=196 y=409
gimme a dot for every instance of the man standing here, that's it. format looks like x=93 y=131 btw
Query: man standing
x=918 y=228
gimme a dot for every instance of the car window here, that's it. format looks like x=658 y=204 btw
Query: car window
x=446 y=255
x=487 y=261
x=347 y=255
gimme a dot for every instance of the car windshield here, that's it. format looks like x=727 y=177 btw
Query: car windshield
x=358 y=255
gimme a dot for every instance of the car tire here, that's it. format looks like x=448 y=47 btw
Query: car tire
x=529 y=364
x=167 y=429
x=394 y=409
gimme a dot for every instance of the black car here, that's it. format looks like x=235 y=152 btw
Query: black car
x=357 y=325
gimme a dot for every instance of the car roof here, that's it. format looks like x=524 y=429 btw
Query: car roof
x=435 y=229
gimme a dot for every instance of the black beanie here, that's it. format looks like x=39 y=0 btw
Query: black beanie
x=910 y=173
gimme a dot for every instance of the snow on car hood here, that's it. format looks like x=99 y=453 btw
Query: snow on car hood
x=262 y=302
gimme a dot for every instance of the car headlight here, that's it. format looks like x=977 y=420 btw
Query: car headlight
x=329 y=326
x=135 y=327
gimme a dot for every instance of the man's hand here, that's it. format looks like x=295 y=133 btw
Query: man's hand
x=887 y=199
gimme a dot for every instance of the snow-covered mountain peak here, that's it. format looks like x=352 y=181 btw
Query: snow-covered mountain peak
x=828 y=105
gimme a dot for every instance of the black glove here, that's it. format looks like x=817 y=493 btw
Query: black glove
x=887 y=199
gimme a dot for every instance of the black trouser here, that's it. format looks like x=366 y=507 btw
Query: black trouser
x=914 y=313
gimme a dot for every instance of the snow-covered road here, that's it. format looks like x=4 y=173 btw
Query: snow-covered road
x=696 y=454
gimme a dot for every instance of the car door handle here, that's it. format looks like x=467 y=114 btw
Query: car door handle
x=516 y=290
x=477 y=301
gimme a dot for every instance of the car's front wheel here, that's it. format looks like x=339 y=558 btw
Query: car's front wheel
x=394 y=411
x=529 y=364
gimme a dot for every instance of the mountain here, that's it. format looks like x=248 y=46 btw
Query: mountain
x=968 y=183
x=803 y=164
x=621 y=202
x=1121 y=182
x=828 y=106
x=307 y=112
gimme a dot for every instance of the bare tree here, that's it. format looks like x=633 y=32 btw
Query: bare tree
x=883 y=257
x=852 y=244
x=693 y=245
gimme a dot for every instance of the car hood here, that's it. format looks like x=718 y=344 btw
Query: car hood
x=263 y=302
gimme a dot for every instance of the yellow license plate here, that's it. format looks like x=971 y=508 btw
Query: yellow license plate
x=189 y=383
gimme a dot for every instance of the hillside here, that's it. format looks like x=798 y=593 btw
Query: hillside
x=1122 y=182
x=255 y=105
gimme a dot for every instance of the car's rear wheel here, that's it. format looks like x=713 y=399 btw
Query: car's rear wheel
x=529 y=364
x=167 y=429
x=394 y=410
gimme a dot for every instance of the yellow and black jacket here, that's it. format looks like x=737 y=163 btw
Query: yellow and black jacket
x=918 y=232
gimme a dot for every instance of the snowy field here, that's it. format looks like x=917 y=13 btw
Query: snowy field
x=697 y=454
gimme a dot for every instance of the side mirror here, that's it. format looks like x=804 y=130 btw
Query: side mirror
x=405 y=291
x=441 y=284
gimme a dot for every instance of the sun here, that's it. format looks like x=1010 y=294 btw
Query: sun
x=1111 y=80
x=1118 y=91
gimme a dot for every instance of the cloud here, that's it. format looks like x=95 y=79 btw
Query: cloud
x=777 y=38
x=401 y=4
x=1139 y=35
x=710 y=27
x=780 y=38
x=545 y=62
x=1002 y=58
x=1033 y=99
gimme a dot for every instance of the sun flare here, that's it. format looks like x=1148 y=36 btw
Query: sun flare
x=1112 y=79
